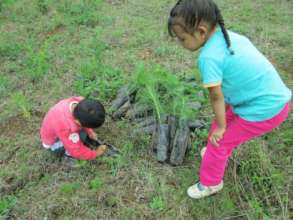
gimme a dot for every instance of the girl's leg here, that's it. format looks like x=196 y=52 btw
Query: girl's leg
x=229 y=117
x=238 y=131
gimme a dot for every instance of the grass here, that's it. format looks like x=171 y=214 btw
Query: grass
x=51 y=50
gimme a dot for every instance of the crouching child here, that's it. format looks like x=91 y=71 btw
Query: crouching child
x=69 y=124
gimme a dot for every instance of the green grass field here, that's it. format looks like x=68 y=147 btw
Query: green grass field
x=50 y=50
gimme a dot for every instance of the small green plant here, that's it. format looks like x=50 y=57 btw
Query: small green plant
x=4 y=3
x=5 y=83
x=20 y=103
x=257 y=211
x=82 y=12
x=127 y=148
x=97 y=78
x=6 y=204
x=127 y=213
x=70 y=188
x=37 y=62
x=96 y=184
x=164 y=92
x=82 y=163
x=43 y=6
x=9 y=46
x=112 y=165
x=157 y=203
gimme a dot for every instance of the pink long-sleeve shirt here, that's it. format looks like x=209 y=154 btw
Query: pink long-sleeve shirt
x=59 y=124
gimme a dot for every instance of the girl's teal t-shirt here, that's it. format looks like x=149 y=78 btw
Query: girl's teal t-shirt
x=249 y=81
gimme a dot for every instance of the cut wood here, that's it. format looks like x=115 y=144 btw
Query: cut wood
x=181 y=141
x=163 y=142
x=138 y=111
x=121 y=98
x=122 y=110
x=195 y=124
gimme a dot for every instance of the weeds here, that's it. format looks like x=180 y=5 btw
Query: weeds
x=20 y=103
x=37 y=62
x=262 y=181
x=5 y=83
x=70 y=188
x=82 y=12
x=127 y=213
x=96 y=184
x=43 y=6
x=157 y=203
x=6 y=204
x=97 y=80
x=9 y=46
x=4 y=3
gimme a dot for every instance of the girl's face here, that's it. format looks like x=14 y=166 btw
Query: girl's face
x=190 y=41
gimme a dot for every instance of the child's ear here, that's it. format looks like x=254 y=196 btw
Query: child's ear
x=203 y=31
x=77 y=122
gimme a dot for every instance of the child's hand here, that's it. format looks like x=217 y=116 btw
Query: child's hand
x=217 y=135
x=101 y=150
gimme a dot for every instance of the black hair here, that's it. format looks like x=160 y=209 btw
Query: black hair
x=193 y=12
x=90 y=113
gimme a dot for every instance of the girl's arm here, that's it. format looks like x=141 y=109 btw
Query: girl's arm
x=218 y=105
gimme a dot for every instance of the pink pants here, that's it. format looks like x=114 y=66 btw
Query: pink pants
x=238 y=131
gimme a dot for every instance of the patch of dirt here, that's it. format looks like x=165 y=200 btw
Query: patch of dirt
x=146 y=54
x=9 y=156
x=13 y=183
x=111 y=132
x=15 y=125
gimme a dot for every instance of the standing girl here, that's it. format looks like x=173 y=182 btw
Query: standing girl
x=247 y=95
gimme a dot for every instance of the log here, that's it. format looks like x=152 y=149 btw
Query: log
x=180 y=143
x=138 y=111
x=121 y=112
x=121 y=98
x=195 y=124
x=172 y=122
x=147 y=121
x=163 y=142
x=150 y=129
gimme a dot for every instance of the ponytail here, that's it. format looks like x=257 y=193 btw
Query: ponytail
x=223 y=29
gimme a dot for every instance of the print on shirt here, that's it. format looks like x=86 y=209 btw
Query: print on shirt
x=74 y=137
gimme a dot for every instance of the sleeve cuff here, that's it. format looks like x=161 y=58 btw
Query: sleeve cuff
x=208 y=85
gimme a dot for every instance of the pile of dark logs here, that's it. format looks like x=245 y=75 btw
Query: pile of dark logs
x=171 y=137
